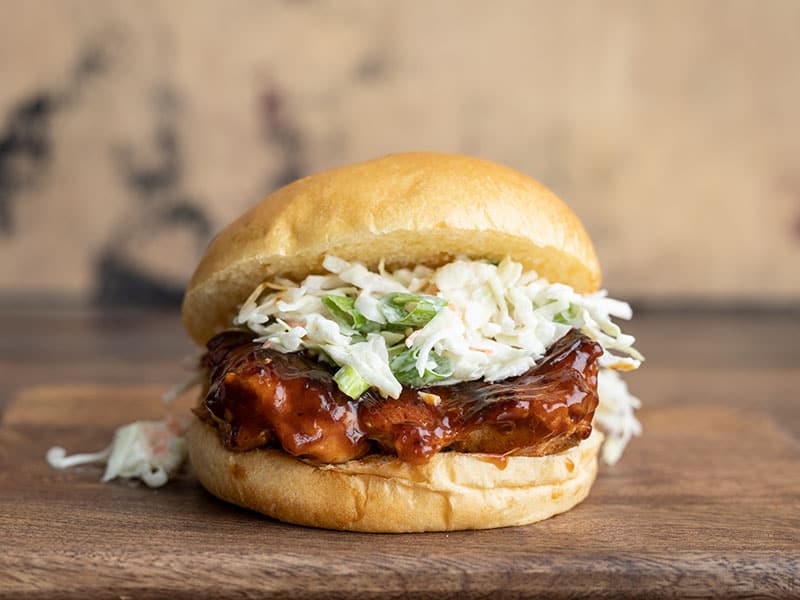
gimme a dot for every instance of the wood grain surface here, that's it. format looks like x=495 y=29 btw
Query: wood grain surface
x=706 y=503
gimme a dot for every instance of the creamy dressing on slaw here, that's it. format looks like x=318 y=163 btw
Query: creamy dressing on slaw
x=495 y=321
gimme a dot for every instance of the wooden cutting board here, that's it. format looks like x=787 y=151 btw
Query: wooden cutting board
x=707 y=502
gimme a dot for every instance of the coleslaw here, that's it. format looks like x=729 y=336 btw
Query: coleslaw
x=152 y=451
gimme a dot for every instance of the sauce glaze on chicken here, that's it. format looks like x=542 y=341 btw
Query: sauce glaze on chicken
x=257 y=397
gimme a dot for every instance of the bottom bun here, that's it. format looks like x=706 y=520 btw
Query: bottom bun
x=383 y=494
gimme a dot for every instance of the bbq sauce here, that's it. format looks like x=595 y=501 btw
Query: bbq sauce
x=260 y=397
x=543 y=411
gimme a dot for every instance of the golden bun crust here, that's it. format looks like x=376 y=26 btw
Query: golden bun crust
x=382 y=494
x=415 y=208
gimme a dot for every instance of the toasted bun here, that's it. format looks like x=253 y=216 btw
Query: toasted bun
x=383 y=494
x=416 y=208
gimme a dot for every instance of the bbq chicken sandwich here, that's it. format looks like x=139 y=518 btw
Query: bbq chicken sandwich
x=414 y=343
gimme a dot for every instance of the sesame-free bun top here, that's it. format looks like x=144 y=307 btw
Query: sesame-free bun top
x=407 y=209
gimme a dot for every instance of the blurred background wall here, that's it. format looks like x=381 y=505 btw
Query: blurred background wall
x=130 y=131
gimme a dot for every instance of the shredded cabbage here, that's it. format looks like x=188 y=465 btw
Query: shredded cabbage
x=483 y=321
x=151 y=451
x=466 y=320
x=614 y=415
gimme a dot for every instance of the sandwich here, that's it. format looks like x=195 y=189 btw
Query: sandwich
x=413 y=343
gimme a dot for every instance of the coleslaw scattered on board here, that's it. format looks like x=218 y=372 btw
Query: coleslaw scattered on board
x=152 y=451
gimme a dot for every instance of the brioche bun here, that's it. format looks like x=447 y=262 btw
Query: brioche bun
x=382 y=494
x=407 y=209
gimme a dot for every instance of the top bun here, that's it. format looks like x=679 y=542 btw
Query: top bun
x=408 y=209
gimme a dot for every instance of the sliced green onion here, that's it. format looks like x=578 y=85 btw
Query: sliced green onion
x=350 y=382
x=392 y=337
x=565 y=317
x=410 y=310
x=344 y=312
x=403 y=363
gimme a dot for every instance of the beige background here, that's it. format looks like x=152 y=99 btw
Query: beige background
x=672 y=128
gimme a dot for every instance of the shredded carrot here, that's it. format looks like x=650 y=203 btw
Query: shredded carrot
x=484 y=350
